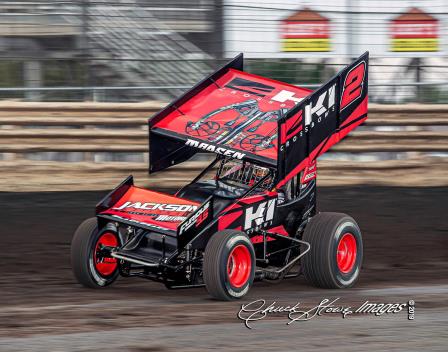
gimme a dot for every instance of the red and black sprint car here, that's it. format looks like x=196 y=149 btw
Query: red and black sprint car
x=251 y=214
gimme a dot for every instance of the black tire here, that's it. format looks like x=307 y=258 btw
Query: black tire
x=320 y=265
x=82 y=256
x=219 y=282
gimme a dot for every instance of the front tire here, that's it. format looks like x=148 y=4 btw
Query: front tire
x=229 y=265
x=90 y=268
x=335 y=257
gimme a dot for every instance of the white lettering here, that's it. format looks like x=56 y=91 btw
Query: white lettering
x=285 y=95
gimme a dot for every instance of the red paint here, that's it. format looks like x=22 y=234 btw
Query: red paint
x=310 y=172
x=225 y=221
x=277 y=229
x=415 y=29
x=239 y=266
x=105 y=266
x=291 y=127
x=257 y=198
x=305 y=30
x=346 y=253
x=202 y=217
x=360 y=110
x=353 y=85
x=324 y=146
x=217 y=96
x=149 y=216
x=294 y=172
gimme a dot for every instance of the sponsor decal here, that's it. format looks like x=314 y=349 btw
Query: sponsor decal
x=313 y=44
x=260 y=215
x=215 y=149
x=158 y=206
x=309 y=176
x=353 y=85
x=202 y=217
x=170 y=218
x=285 y=95
x=323 y=105
x=292 y=130
x=305 y=30
x=196 y=218
x=310 y=173
x=414 y=31
x=247 y=86
x=138 y=222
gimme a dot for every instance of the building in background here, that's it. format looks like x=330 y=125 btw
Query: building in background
x=257 y=27
x=414 y=31
x=305 y=30
x=130 y=50
x=407 y=41
x=127 y=43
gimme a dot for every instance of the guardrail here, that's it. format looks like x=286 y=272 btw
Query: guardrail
x=30 y=131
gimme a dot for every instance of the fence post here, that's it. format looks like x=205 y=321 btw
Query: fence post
x=418 y=79
x=85 y=48
x=32 y=74
x=218 y=30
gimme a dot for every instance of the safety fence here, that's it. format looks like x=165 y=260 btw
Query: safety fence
x=136 y=50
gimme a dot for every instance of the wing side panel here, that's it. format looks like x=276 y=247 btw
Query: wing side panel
x=323 y=119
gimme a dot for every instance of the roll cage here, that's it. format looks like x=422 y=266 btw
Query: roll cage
x=238 y=173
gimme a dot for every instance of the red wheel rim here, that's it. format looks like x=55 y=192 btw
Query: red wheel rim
x=105 y=266
x=346 y=255
x=239 y=266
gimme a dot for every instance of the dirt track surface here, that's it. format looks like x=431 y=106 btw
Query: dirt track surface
x=43 y=309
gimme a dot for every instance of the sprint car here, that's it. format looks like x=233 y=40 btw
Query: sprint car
x=249 y=215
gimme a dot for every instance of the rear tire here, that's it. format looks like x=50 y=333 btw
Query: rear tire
x=229 y=265
x=335 y=257
x=89 y=268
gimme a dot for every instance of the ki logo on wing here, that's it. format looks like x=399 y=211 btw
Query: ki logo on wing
x=322 y=107
x=259 y=216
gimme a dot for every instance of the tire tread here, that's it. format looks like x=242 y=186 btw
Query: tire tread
x=212 y=265
x=316 y=264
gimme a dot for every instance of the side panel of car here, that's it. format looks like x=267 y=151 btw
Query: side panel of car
x=195 y=223
x=250 y=214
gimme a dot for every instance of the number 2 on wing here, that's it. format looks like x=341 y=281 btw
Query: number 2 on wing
x=353 y=84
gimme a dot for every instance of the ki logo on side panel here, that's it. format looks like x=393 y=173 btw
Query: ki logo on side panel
x=259 y=216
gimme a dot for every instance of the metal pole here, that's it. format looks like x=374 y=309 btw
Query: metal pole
x=32 y=74
x=88 y=82
x=218 y=29
x=418 y=79
x=349 y=37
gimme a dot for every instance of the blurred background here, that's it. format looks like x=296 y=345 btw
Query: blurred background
x=134 y=50
x=78 y=82
x=78 y=79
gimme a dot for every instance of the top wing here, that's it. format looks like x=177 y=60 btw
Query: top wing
x=238 y=113
x=244 y=116
x=235 y=114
